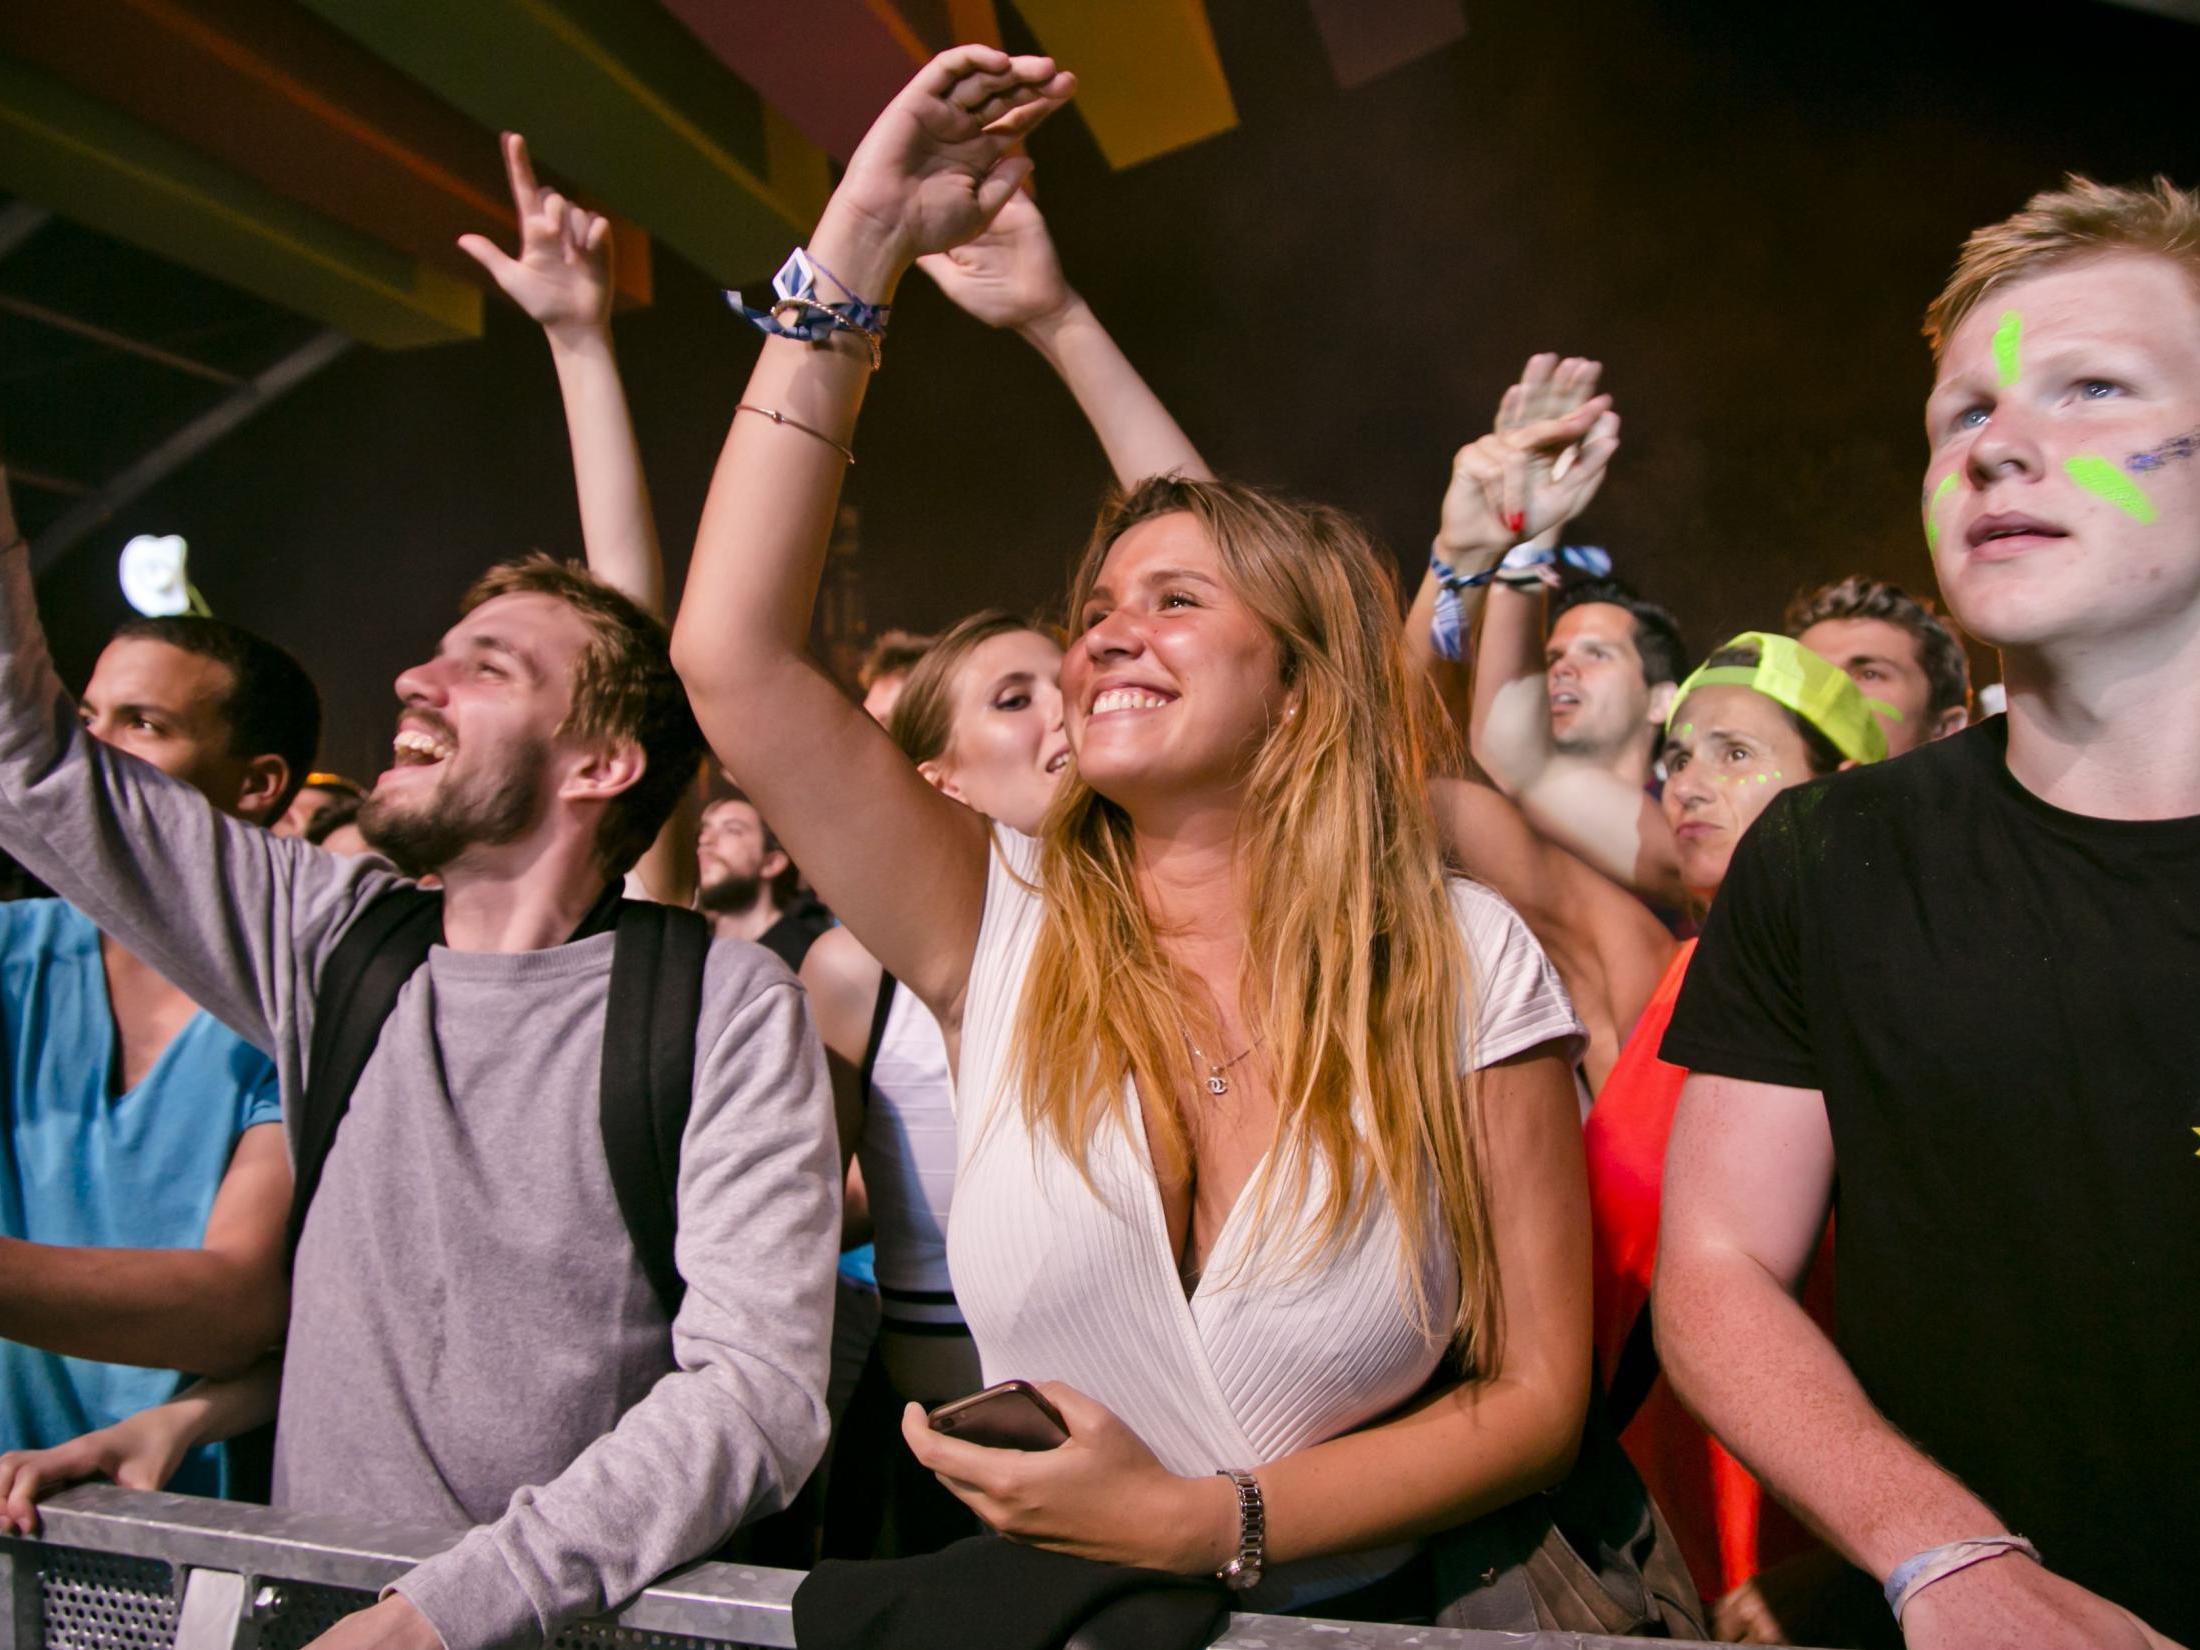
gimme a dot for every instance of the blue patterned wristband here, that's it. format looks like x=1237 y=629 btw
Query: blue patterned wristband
x=1447 y=630
x=798 y=312
x=1456 y=582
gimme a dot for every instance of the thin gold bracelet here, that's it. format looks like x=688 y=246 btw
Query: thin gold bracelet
x=778 y=417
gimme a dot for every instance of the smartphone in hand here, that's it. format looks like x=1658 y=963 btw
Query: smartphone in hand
x=1012 y=1415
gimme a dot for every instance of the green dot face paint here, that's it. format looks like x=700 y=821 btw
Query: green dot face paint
x=1948 y=484
x=2097 y=475
x=2009 y=348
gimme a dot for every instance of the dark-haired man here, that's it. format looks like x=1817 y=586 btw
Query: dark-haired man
x=1614 y=660
x=1608 y=654
x=1588 y=698
x=474 y=1338
x=1895 y=648
x=145 y=1187
x=747 y=885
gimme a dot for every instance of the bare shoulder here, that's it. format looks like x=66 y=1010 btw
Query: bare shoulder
x=843 y=982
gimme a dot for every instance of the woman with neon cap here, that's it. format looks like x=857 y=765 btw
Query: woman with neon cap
x=1761 y=715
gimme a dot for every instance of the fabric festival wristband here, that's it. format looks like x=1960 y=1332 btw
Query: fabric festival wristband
x=1521 y=564
x=798 y=312
x=1456 y=582
x=1447 y=633
x=1912 y=1576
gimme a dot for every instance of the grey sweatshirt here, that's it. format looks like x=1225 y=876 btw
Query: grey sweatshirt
x=472 y=1338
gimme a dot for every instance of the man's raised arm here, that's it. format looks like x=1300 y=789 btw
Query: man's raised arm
x=1525 y=492
x=562 y=278
x=234 y=917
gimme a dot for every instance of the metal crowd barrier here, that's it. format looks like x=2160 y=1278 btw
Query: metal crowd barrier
x=122 y=1569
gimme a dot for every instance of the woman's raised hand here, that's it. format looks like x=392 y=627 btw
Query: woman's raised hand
x=937 y=165
x=1507 y=489
x=562 y=276
x=1548 y=388
x=1008 y=276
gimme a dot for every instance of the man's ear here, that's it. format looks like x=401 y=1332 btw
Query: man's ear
x=260 y=790
x=1661 y=701
x=1952 y=720
x=775 y=865
x=604 y=771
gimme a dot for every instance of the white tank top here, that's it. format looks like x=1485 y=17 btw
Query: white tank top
x=1068 y=1281
x=908 y=1155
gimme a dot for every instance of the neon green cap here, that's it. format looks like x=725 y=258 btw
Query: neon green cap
x=1813 y=687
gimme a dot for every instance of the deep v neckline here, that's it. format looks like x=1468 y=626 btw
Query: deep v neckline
x=1140 y=1147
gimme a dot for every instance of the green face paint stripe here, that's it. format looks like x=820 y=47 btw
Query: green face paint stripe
x=2097 y=475
x=1948 y=484
x=2008 y=347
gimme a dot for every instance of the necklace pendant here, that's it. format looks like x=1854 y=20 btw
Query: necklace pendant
x=1218 y=1084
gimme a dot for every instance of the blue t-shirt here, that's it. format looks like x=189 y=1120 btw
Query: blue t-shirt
x=81 y=1165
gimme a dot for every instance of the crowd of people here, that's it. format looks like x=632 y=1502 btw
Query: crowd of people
x=1461 y=1108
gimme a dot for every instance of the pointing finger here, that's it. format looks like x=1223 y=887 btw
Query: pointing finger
x=519 y=169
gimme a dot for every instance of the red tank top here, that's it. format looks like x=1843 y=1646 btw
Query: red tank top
x=1726 y=1528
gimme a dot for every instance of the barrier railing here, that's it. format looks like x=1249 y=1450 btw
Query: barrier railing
x=121 y=1569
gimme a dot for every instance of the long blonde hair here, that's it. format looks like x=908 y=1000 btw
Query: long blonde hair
x=1357 y=983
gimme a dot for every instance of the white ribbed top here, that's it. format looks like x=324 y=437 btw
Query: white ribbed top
x=1058 y=1283
x=908 y=1157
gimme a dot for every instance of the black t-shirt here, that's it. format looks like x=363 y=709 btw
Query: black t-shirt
x=2001 y=1004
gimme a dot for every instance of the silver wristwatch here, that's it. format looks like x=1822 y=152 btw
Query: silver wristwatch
x=1243 y=1571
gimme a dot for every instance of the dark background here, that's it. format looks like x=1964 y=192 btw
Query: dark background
x=1742 y=210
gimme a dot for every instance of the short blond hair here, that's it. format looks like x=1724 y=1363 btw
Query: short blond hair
x=2082 y=219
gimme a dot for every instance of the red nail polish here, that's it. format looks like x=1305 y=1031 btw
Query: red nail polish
x=1517 y=521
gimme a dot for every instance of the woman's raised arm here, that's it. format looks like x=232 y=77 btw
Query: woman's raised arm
x=1010 y=277
x=902 y=865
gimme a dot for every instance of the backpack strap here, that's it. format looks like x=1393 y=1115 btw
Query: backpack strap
x=881 y=1012
x=648 y=1083
x=385 y=944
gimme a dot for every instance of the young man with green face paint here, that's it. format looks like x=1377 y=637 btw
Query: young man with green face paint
x=1961 y=984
